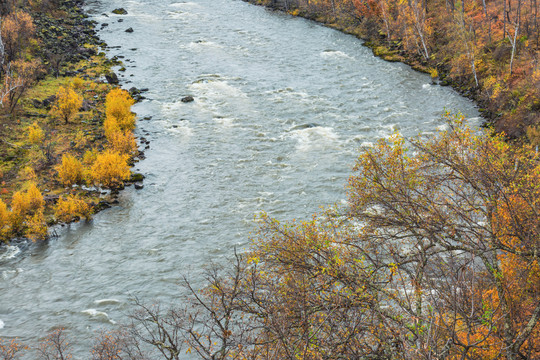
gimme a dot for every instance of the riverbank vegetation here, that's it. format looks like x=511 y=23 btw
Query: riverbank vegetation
x=486 y=49
x=64 y=132
x=435 y=256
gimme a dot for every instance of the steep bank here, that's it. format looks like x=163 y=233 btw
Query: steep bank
x=481 y=53
x=55 y=85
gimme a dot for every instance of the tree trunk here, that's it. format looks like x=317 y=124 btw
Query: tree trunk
x=1 y=46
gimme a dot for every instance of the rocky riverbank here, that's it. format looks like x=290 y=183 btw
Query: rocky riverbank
x=503 y=78
x=65 y=52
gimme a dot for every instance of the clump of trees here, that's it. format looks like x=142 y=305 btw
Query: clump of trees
x=18 y=70
x=25 y=217
x=109 y=168
x=434 y=257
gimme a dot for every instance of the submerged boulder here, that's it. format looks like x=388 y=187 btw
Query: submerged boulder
x=120 y=11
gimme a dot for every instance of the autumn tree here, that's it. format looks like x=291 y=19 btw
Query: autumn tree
x=70 y=208
x=110 y=169
x=17 y=31
x=35 y=134
x=435 y=256
x=10 y=349
x=17 y=78
x=5 y=224
x=67 y=104
x=55 y=346
x=118 y=111
x=70 y=171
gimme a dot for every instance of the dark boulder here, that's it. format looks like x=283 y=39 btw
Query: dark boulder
x=130 y=30
x=37 y=104
x=112 y=78
x=187 y=99
x=47 y=103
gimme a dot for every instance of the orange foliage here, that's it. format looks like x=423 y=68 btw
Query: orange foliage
x=9 y=350
x=17 y=31
x=27 y=214
x=35 y=134
x=110 y=169
x=4 y=221
x=70 y=208
x=122 y=142
x=118 y=111
x=70 y=171
x=67 y=104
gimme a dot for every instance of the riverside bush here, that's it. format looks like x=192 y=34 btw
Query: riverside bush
x=70 y=171
x=110 y=169
x=118 y=111
x=69 y=208
x=67 y=104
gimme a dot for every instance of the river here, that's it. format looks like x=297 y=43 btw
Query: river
x=282 y=107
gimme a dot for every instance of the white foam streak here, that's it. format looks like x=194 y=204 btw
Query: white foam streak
x=10 y=252
x=336 y=54
x=107 y=302
x=98 y=315
x=315 y=138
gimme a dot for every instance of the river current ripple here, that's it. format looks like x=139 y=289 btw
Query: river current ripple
x=282 y=108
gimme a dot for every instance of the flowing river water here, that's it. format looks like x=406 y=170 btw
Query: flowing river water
x=282 y=108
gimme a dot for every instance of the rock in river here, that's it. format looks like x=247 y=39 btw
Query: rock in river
x=120 y=11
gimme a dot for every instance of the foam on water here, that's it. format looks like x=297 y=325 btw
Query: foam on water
x=336 y=54
x=185 y=4
x=2 y=324
x=10 y=274
x=9 y=253
x=224 y=121
x=315 y=138
x=107 y=302
x=98 y=315
x=216 y=89
x=201 y=44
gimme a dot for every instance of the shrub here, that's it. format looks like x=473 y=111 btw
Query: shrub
x=110 y=126
x=118 y=107
x=77 y=83
x=25 y=207
x=90 y=157
x=4 y=221
x=35 y=199
x=35 y=134
x=110 y=169
x=70 y=171
x=122 y=142
x=69 y=208
x=36 y=227
x=67 y=104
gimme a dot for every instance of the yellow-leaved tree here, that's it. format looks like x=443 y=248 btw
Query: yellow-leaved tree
x=5 y=224
x=35 y=134
x=122 y=142
x=70 y=171
x=110 y=169
x=67 y=103
x=26 y=217
x=70 y=208
x=118 y=111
